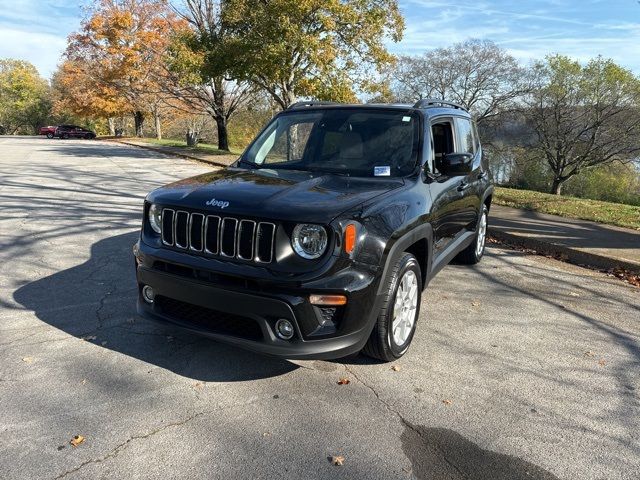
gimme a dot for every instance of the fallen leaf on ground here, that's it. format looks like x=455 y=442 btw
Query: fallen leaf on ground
x=28 y=359
x=589 y=354
x=446 y=402
x=574 y=294
x=337 y=460
x=89 y=337
x=198 y=385
x=475 y=304
x=395 y=368
x=344 y=381
x=77 y=440
x=84 y=381
x=602 y=362
x=266 y=434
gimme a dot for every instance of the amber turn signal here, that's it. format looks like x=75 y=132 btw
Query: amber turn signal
x=349 y=238
x=332 y=300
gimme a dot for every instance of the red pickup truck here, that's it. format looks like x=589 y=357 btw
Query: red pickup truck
x=48 y=131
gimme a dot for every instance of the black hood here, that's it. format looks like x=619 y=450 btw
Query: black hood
x=275 y=194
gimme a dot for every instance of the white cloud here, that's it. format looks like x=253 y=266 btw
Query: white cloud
x=36 y=30
x=41 y=49
x=529 y=30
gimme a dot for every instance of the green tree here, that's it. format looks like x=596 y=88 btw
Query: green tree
x=615 y=182
x=24 y=96
x=195 y=76
x=308 y=48
x=583 y=116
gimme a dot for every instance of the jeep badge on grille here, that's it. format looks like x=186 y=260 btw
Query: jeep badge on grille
x=217 y=203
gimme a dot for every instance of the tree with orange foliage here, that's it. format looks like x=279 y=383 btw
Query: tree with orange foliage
x=76 y=92
x=118 y=55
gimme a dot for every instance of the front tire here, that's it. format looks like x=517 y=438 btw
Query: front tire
x=49 y=135
x=474 y=252
x=396 y=323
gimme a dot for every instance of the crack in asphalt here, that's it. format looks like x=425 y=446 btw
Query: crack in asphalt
x=405 y=422
x=122 y=446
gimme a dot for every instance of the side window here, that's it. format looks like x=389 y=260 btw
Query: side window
x=465 y=136
x=476 y=136
x=442 y=137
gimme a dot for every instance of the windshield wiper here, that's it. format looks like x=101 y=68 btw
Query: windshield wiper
x=251 y=165
x=333 y=171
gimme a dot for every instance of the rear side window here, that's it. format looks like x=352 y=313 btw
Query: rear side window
x=476 y=136
x=466 y=142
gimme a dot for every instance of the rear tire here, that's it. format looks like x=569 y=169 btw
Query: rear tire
x=474 y=252
x=396 y=322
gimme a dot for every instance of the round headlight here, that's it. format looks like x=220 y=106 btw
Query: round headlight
x=155 y=218
x=309 y=241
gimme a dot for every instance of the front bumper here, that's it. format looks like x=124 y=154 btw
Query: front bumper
x=246 y=316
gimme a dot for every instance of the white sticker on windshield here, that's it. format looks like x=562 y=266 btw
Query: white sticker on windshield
x=382 y=171
x=406 y=119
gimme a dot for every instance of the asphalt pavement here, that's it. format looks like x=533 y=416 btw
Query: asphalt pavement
x=521 y=367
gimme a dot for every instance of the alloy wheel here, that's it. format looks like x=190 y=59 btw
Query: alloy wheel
x=405 y=308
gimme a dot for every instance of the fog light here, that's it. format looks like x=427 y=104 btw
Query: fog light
x=284 y=329
x=148 y=294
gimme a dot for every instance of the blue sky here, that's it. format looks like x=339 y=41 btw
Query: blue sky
x=529 y=29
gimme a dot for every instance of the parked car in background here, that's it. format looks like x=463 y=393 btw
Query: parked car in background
x=49 y=131
x=73 y=131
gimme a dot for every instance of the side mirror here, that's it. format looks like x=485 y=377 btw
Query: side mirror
x=455 y=164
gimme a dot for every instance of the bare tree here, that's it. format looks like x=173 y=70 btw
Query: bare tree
x=583 y=116
x=477 y=74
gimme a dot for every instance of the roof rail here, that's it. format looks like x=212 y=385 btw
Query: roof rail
x=435 y=102
x=310 y=103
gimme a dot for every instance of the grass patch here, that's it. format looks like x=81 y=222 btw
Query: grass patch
x=594 y=210
x=206 y=148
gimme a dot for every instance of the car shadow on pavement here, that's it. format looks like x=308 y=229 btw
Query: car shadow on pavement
x=95 y=301
x=443 y=453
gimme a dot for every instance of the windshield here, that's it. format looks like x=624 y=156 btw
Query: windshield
x=358 y=142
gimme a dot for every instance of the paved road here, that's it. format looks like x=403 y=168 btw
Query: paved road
x=583 y=242
x=521 y=368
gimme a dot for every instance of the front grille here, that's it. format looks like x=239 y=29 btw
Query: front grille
x=211 y=320
x=224 y=236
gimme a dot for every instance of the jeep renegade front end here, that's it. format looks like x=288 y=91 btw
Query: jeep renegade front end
x=319 y=240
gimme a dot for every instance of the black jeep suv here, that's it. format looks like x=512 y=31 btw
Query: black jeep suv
x=319 y=240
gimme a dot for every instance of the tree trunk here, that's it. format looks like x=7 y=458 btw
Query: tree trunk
x=556 y=186
x=223 y=133
x=138 y=118
x=112 y=126
x=289 y=98
x=156 y=117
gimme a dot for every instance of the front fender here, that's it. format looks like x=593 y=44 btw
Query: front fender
x=397 y=245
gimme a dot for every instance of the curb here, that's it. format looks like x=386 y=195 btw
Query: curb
x=171 y=153
x=568 y=254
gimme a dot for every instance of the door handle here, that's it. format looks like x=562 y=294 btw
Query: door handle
x=463 y=186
